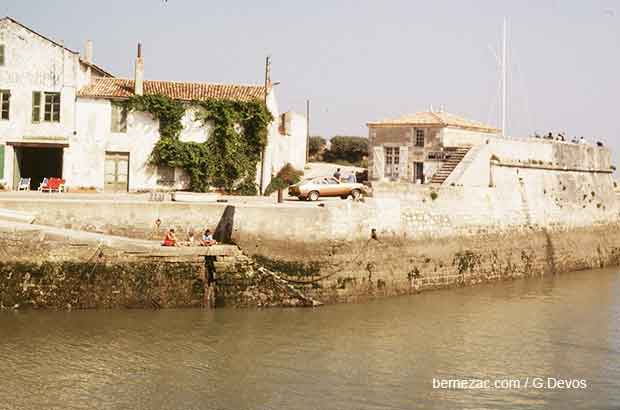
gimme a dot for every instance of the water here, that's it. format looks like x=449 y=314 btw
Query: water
x=379 y=355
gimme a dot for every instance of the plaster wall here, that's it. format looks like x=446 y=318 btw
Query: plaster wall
x=291 y=146
x=33 y=63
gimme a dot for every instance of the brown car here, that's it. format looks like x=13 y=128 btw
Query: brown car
x=313 y=188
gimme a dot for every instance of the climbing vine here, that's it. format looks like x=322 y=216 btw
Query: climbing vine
x=229 y=157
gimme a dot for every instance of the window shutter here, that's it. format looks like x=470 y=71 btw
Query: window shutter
x=403 y=169
x=378 y=162
x=1 y=161
x=1 y=54
x=36 y=106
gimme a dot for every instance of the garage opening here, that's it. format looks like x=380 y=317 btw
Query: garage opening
x=37 y=163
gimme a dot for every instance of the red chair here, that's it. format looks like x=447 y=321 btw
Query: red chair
x=54 y=184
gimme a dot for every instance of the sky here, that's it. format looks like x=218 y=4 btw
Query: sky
x=360 y=61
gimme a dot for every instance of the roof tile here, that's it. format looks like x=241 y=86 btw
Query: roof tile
x=123 y=88
x=438 y=119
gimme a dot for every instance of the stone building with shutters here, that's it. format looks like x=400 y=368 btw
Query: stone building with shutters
x=422 y=148
x=60 y=117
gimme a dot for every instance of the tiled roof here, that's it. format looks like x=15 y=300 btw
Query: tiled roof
x=123 y=88
x=437 y=119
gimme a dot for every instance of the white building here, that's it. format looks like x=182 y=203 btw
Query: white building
x=58 y=119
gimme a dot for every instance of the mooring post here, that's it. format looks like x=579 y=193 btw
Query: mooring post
x=210 y=293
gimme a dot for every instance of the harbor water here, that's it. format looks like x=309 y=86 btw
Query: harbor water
x=545 y=343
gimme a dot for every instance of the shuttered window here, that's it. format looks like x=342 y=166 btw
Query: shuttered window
x=5 y=99
x=2 y=54
x=118 y=118
x=52 y=107
x=36 y=106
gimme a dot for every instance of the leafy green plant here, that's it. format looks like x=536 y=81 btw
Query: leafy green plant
x=287 y=176
x=229 y=157
x=434 y=195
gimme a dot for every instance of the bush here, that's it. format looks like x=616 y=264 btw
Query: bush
x=434 y=195
x=316 y=145
x=288 y=175
x=246 y=188
x=350 y=149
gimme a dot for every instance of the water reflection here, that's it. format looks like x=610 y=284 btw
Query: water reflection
x=383 y=354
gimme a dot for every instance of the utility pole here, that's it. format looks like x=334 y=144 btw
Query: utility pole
x=267 y=91
x=504 y=78
x=307 y=131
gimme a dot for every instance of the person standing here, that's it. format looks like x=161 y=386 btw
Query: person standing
x=337 y=174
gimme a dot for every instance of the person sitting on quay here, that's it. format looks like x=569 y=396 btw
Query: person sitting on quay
x=190 y=238
x=170 y=238
x=207 y=239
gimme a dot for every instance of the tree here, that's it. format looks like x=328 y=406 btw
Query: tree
x=346 y=148
x=288 y=175
x=316 y=145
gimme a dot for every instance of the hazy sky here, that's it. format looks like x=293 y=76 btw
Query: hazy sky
x=359 y=61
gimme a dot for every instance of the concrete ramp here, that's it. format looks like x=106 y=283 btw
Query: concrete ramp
x=16 y=216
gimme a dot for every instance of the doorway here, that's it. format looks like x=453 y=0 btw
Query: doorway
x=37 y=163
x=116 y=172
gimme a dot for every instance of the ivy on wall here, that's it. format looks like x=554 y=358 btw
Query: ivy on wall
x=229 y=157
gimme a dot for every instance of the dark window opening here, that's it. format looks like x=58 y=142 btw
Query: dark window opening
x=5 y=97
x=419 y=138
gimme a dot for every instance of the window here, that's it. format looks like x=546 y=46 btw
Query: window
x=392 y=159
x=118 y=118
x=1 y=54
x=52 y=107
x=36 y=106
x=166 y=175
x=419 y=137
x=5 y=97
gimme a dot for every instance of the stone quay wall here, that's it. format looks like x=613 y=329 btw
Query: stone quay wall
x=460 y=236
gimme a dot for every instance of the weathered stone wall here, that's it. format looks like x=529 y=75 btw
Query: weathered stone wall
x=330 y=255
x=43 y=267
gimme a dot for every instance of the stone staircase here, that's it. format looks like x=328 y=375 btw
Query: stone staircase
x=454 y=157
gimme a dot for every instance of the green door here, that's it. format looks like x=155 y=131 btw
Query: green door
x=116 y=172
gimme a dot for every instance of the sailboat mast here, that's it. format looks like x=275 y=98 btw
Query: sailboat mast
x=504 y=78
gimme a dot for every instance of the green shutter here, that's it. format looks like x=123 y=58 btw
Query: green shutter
x=1 y=54
x=36 y=106
x=1 y=161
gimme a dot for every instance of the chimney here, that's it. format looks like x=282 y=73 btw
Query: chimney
x=88 y=52
x=139 y=73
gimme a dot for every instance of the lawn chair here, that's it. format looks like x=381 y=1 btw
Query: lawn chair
x=24 y=184
x=54 y=184
x=43 y=185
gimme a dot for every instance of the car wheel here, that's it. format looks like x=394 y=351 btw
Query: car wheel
x=356 y=194
x=313 y=196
